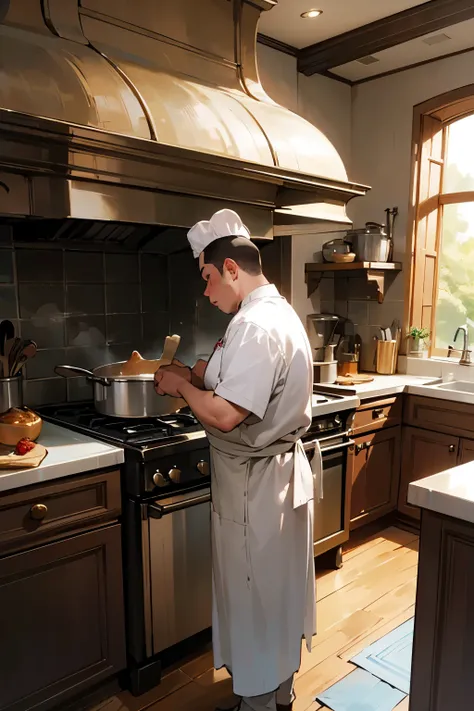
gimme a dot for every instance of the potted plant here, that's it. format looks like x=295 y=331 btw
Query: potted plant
x=418 y=341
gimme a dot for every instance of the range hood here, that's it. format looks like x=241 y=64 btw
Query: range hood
x=145 y=112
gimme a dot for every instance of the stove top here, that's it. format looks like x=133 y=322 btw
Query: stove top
x=132 y=432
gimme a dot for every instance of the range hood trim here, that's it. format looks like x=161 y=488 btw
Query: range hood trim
x=292 y=187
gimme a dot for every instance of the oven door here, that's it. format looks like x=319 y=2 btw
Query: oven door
x=331 y=514
x=180 y=572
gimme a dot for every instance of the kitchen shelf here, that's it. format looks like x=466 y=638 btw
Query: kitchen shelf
x=374 y=272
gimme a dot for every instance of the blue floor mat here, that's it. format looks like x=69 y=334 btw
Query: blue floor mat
x=361 y=691
x=389 y=659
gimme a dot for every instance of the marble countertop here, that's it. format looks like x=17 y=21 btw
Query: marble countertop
x=450 y=492
x=68 y=453
x=383 y=385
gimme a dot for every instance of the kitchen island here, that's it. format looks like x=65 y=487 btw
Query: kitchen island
x=443 y=651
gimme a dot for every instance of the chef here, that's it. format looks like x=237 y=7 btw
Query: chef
x=253 y=398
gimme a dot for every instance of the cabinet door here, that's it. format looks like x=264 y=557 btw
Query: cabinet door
x=62 y=627
x=467 y=451
x=374 y=466
x=423 y=453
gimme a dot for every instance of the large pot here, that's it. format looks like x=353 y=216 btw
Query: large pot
x=124 y=395
x=371 y=243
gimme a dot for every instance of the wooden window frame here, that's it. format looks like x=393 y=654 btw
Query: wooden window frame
x=430 y=121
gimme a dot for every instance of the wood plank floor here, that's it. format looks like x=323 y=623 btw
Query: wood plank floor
x=372 y=594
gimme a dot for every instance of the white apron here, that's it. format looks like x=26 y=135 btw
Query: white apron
x=263 y=561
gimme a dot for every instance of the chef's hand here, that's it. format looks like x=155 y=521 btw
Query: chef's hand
x=169 y=377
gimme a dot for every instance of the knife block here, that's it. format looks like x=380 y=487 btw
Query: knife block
x=386 y=357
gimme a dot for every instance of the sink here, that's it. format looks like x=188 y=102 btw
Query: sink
x=460 y=386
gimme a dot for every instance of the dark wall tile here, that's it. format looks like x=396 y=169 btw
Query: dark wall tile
x=47 y=333
x=44 y=392
x=154 y=268
x=42 y=300
x=89 y=357
x=44 y=362
x=8 y=305
x=85 y=299
x=6 y=266
x=155 y=296
x=79 y=389
x=84 y=267
x=85 y=330
x=6 y=236
x=39 y=265
x=121 y=268
x=124 y=328
x=123 y=298
x=156 y=327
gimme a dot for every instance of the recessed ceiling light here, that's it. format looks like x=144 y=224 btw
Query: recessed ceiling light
x=310 y=14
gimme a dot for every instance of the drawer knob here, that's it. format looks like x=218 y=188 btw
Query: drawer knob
x=377 y=413
x=452 y=448
x=38 y=512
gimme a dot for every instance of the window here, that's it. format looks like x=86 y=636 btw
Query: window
x=442 y=277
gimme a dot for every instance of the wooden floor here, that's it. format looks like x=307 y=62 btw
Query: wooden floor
x=372 y=594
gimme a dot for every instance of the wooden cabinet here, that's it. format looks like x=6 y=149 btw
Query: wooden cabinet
x=443 y=645
x=379 y=413
x=62 y=627
x=373 y=467
x=466 y=453
x=423 y=453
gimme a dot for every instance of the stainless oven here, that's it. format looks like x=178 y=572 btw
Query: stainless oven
x=177 y=568
x=332 y=512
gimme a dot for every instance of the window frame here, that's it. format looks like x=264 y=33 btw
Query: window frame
x=431 y=121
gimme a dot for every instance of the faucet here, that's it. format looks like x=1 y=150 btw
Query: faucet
x=466 y=353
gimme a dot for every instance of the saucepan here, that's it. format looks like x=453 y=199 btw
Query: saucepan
x=118 y=394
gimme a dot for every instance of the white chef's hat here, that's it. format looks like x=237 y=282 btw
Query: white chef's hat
x=224 y=223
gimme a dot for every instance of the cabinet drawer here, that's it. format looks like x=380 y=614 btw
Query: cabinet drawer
x=375 y=414
x=45 y=510
x=456 y=418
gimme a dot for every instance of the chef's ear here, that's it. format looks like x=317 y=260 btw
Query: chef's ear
x=231 y=267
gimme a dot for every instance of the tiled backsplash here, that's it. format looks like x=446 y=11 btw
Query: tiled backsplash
x=87 y=308
x=356 y=299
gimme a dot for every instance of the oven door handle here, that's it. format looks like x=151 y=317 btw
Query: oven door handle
x=331 y=448
x=342 y=445
x=178 y=503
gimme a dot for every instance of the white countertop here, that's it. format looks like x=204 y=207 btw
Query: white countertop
x=383 y=385
x=68 y=453
x=450 y=492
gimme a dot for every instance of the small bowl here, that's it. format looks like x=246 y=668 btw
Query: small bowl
x=343 y=258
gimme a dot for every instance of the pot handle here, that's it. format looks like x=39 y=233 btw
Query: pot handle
x=374 y=224
x=67 y=371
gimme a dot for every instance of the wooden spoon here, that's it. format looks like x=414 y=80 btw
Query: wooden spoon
x=136 y=365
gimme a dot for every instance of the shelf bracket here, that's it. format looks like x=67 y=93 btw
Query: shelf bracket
x=378 y=277
x=312 y=282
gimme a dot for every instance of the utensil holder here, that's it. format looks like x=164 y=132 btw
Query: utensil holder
x=11 y=392
x=386 y=357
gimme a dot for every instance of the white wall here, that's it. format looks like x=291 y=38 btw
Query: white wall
x=382 y=120
x=326 y=104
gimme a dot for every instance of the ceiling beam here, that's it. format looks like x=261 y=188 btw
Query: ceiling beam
x=379 y=35
x=276 y=44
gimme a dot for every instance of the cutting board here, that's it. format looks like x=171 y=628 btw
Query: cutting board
x=358 y=379
x=10 y=460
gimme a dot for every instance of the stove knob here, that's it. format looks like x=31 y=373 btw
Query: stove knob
x=159 y=479
x=203 y=467
x=337 y=420
x=319 y=426
x=175 y=475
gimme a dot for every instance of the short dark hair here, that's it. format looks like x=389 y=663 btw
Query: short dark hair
x=240 y=249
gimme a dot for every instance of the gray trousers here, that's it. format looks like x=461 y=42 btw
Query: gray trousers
x=267 y=702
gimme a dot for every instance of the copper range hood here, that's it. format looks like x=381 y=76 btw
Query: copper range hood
x=152 y=112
